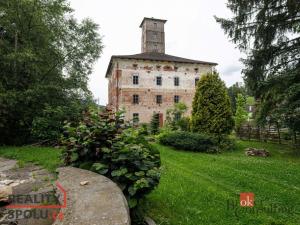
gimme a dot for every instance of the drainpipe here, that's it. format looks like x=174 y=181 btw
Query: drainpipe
x=117 y=91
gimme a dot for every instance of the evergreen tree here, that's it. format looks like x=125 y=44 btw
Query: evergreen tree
x=211 y=107
x=154 y=123
x=241 y=113
x=233 y=92
x=268 y=32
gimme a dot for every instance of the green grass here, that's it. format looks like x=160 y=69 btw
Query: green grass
x=49 y=158
x=195 y=188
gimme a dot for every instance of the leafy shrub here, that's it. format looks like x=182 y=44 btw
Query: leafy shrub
x=184 y=123
x=175 y=119
x=144 y=129
x=104 y=144
x=189 y=141
x=226 y=144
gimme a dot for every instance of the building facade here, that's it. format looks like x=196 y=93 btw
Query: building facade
x=152 y=81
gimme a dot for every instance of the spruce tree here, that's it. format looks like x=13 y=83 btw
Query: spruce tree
x=268 y=32
x=241 y=113
x=154 y=123
x=211 y=107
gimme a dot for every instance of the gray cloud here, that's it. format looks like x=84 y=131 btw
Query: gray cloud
x=231 y=70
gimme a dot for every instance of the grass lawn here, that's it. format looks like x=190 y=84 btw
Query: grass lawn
x=49 y=158
x=197 y=188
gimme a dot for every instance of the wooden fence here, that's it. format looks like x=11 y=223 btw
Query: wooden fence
x=268 y=134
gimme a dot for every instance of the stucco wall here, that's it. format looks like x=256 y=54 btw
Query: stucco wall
x=147 y=88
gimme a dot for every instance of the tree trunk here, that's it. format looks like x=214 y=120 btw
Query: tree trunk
x=258 y=133
x=16 y=50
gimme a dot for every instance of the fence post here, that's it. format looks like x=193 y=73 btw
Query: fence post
x=249 y=131
x=278 y=132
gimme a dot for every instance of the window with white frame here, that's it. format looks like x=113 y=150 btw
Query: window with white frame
x=176 y=98
x=177 y=116
x=159 y=80
x=135 y=99
x=176 y=81
x=135 y=79
x=135 y=118
x=158 y=99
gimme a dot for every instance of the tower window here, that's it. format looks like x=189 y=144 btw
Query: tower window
x=176 y=81
x=159 y=81
x=135 y=79
x=196 y=81
x=135 y=118
x=158 y=99
x=155 y=35
x=135 y=99
x=176 y=98
x=155 y=25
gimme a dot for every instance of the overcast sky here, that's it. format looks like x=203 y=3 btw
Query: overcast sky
x=191 y=32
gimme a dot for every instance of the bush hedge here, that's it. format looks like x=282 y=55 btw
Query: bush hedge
x=189 y=141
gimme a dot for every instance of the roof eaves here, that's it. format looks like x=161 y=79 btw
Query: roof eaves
x=154 y=19
x=164 y=59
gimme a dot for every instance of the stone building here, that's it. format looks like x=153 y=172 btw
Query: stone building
x=152 y=81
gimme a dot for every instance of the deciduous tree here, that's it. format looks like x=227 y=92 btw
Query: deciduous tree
x=46 y=56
